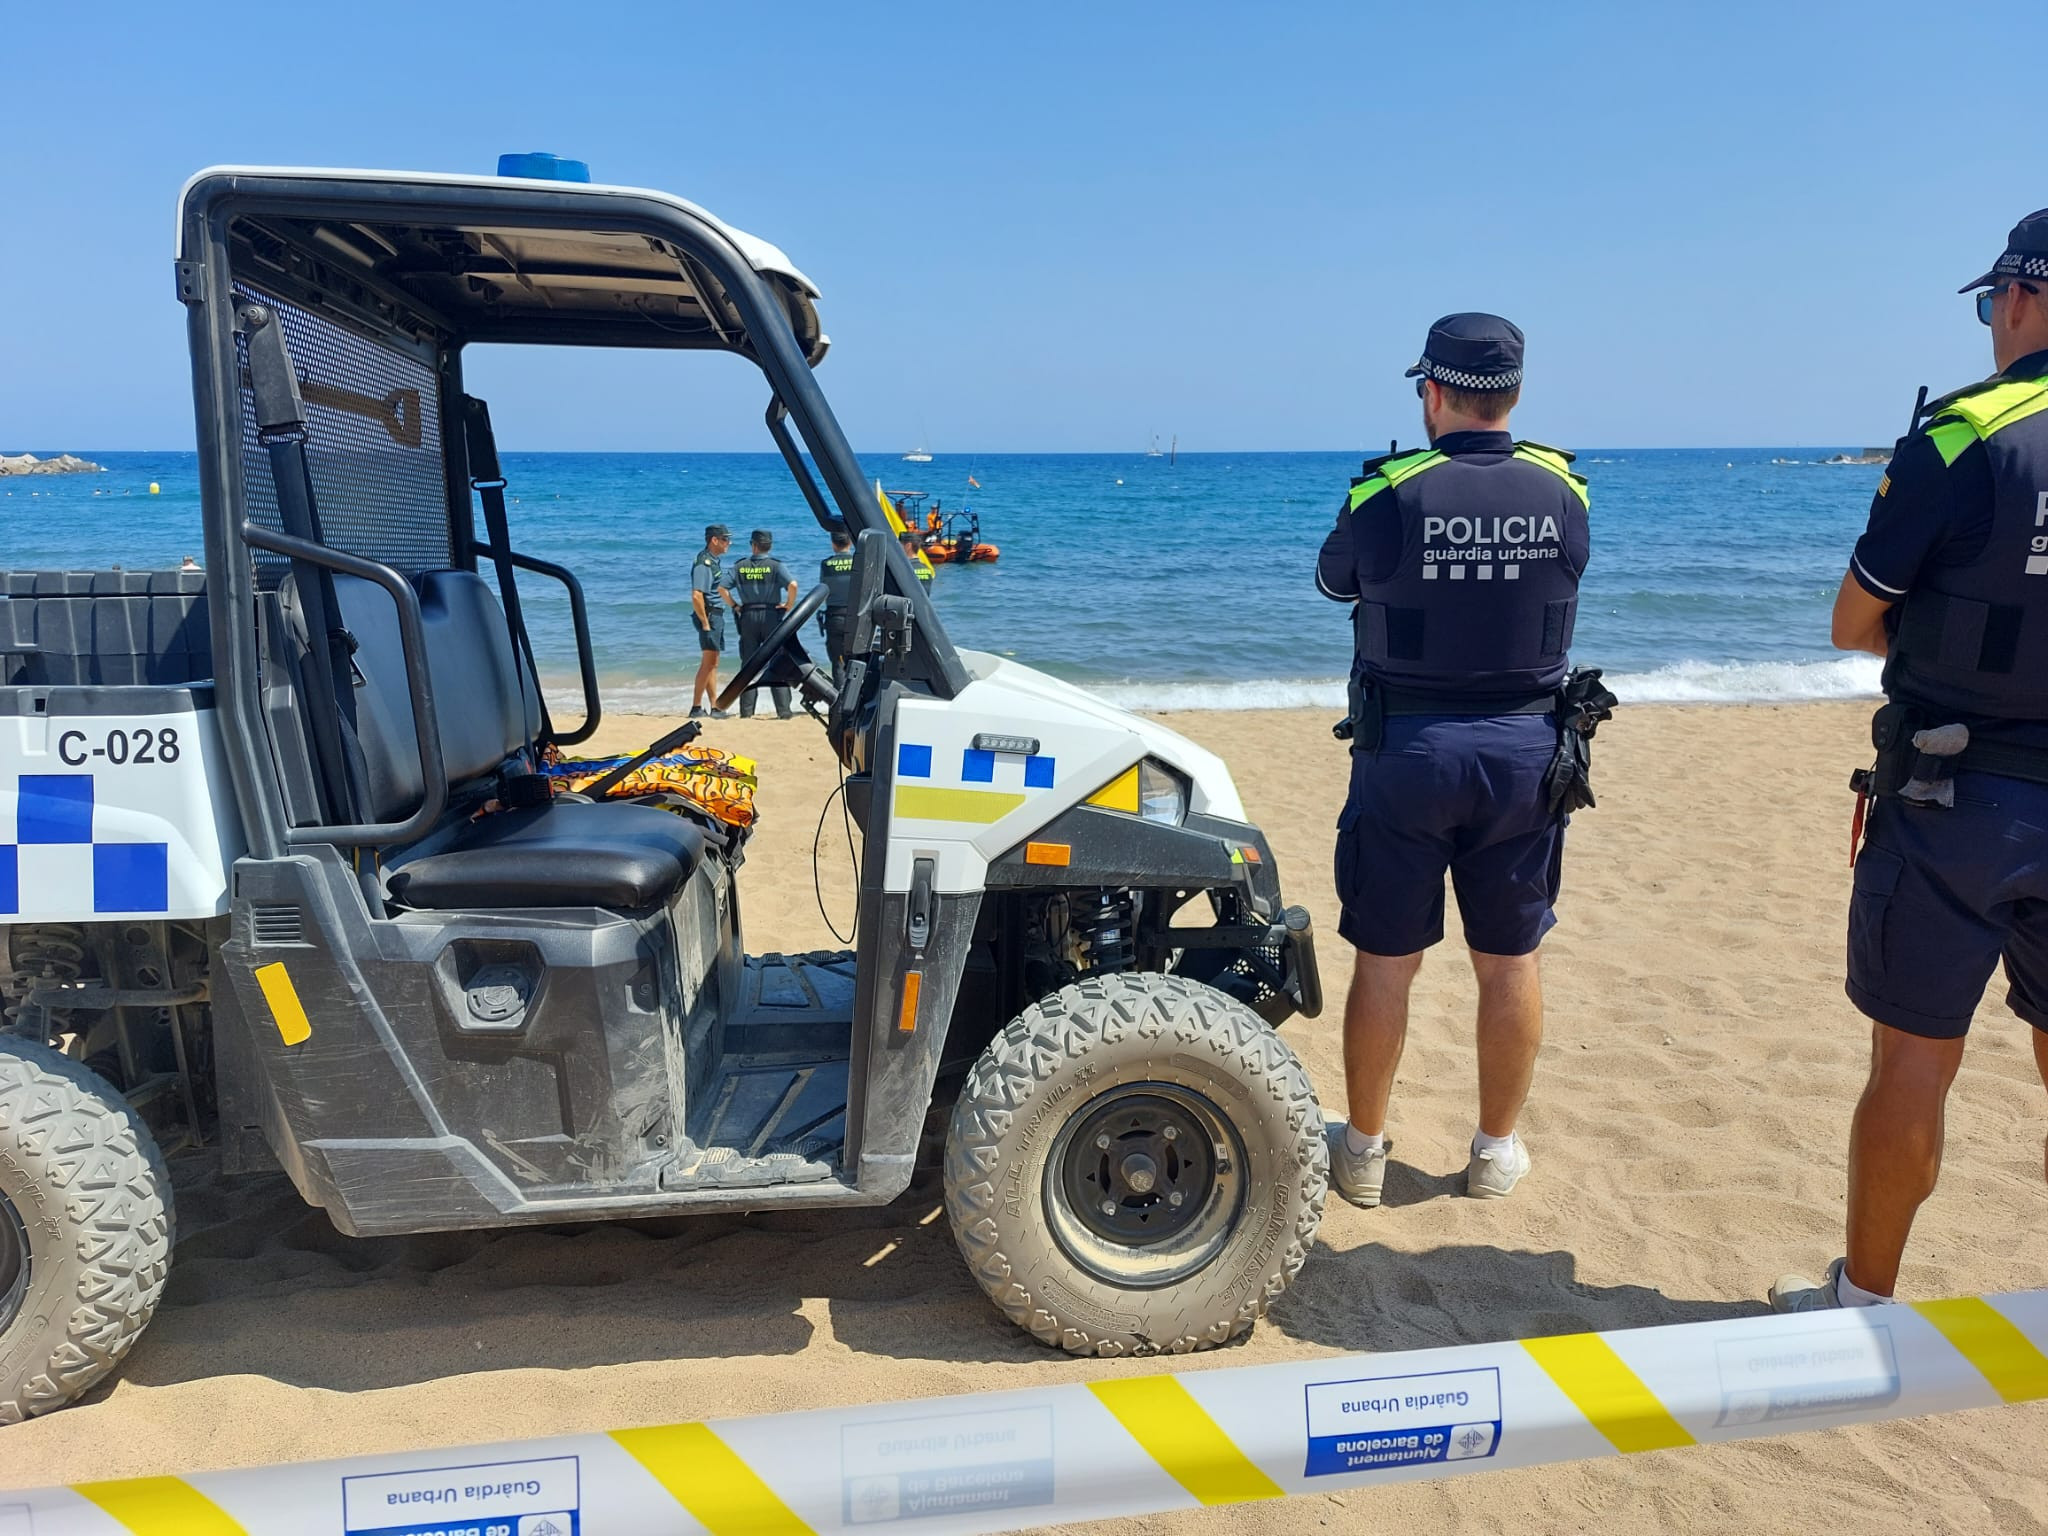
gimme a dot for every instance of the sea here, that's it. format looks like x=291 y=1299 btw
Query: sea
x=1160 y=584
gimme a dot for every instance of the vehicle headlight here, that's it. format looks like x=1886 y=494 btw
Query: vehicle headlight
x=1162 y=796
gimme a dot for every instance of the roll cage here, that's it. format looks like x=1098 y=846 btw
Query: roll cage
x=428 y=265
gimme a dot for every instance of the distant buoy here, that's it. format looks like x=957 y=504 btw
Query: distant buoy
x=1119 y=482
x=154 y=488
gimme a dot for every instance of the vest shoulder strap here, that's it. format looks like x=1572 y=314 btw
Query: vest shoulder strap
x=1987 y=409
x=1391 y=471
x=1558 y=462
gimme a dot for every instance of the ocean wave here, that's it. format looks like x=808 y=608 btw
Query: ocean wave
x=1750 y=682
x=1266 y=693
x=1684 y=682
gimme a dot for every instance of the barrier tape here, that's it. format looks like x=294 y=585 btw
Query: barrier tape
x=1129 y=1445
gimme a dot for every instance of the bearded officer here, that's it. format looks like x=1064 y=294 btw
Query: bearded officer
x=1463 y=561
x=835 y=571
x=762 y=589
x=1949 y=584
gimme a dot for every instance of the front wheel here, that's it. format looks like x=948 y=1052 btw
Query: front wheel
x=85 y=1228
x=1136 y=1166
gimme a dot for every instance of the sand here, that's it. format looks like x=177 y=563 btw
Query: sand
x=1688 y=1125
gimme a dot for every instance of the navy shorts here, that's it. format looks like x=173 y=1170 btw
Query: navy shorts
x=1459 y=794
x=1941 y=896
x=712 y=638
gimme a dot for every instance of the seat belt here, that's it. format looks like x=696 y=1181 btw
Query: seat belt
x=330 y=648
x=488 y=481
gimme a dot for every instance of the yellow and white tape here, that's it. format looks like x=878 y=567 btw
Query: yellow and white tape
x=1128 y=1445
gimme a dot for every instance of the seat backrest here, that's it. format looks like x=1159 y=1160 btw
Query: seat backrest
x=485 y=709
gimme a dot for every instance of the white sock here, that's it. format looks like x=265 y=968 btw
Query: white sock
x=1481 y=1142
x=1357 y=1143
x=1850 y=1294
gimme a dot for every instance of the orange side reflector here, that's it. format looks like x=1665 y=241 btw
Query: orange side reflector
x=1251 y=854
x=1061 y=854
x=906 y=1016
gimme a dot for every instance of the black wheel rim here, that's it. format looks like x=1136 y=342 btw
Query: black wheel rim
x=1145 y=1184
x=14 y=1262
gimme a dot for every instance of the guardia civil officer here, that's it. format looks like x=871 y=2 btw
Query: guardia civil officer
x=1949 y=584
x=1463 y=561
x=707 y=610
x=913 y=551
x=836 y=622
x=762 y=589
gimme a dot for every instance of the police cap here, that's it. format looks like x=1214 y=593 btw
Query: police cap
x=2026 y=253
x=716 y=531
x=1472 y=351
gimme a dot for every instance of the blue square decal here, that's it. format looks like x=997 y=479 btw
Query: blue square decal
x=913 y=762
x=10 y=879
x=977 y=767
x=1038 y=772
x=55 y=808
x=131 y=877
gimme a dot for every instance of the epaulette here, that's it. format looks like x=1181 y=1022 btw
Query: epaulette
x=1373 y=466
x=1934 y=408
x=1563 y=453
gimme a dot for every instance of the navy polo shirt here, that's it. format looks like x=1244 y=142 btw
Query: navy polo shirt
x=1927 y=515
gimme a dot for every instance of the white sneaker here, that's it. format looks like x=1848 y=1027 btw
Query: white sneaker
x=1796 y=1293
x=1357 y=1176
x=1494 y=1173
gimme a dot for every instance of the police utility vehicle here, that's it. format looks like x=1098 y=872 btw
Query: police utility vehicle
x=281 y=873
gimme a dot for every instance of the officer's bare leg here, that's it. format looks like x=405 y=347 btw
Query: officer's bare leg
x=2041 y=1061
x=1375 y=1029
x=706 y=687
x=1895 y=1148
x=1510 y=1034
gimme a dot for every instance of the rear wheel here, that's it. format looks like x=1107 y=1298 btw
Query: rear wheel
x=1136 y=1166
x=85 y=1229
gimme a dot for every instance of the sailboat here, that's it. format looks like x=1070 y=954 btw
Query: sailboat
x=1153 y=451
x=918 y=455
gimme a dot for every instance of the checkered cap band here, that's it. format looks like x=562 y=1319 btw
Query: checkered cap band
x=2015 y=264
x=1457 y=378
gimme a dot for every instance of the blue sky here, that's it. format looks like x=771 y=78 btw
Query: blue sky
x=1065 y=227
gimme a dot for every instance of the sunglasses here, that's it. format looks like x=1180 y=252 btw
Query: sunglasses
x=1984 y=299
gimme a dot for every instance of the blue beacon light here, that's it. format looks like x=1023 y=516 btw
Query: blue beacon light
x=541 y=166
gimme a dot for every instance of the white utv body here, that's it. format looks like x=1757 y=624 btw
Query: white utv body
x=280 y=874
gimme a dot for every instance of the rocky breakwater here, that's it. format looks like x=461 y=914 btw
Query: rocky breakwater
x=63 y=464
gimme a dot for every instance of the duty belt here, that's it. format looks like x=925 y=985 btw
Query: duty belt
x=759 y=607
x=1398 y=701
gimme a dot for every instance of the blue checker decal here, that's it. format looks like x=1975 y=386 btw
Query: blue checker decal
x=977 y=766
x=54 y=808
x=913 y=762
x=10 y=880
x=131 y=877
x=1038 y=772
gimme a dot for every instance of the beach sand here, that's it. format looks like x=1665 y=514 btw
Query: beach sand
x=1688 y=1126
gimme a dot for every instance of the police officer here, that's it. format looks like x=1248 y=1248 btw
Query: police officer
x=1949 y=583
x=836 y=622
x=707 y=610
x=1463 y=561
x=913 y=551
x=762 y=589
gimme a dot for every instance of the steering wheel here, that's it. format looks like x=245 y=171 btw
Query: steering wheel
x=753 y=668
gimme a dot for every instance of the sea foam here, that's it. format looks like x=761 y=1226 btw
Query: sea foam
x=1685 y=682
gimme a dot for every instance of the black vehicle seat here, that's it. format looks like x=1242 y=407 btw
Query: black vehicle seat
x=561 y=854
x=565 y=854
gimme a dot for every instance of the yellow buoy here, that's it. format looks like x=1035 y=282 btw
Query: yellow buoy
x=154 y=488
